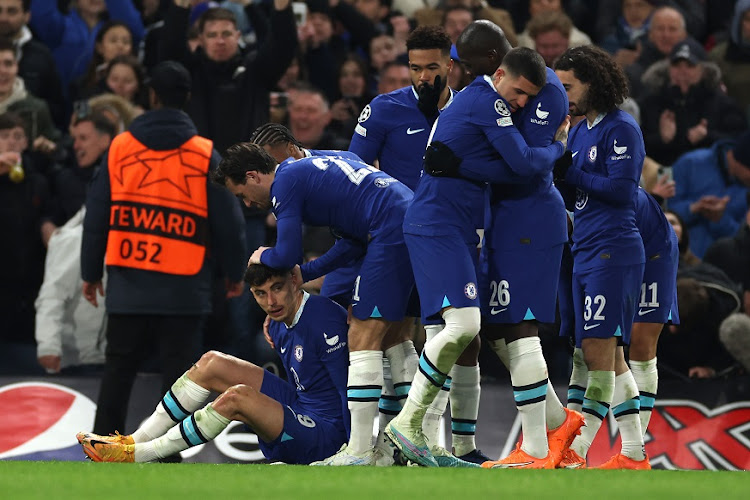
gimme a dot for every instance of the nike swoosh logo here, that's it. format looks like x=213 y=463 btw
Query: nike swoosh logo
x=508 y=466
x=589 y=327
x=409 y=131
x=494 y=311
x=574 y=154
x=642 y=312
x=283 y=350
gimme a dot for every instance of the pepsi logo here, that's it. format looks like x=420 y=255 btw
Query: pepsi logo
x=40 y=420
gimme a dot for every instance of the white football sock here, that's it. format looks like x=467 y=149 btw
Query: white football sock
x=364 y=385
x=182 y=399
x=528 y=374
x=625 y=404
x=646 y=376
x=464 y=395
x=600 y=385
x=578 y=381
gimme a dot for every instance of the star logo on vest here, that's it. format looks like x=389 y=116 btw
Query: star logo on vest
x=153 y=163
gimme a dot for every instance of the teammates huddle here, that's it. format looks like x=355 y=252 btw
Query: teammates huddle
x=491 y=153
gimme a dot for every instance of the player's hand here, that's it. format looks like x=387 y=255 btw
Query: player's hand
x=234 y=289
x=255 y=257
x=90 y=289
x=562 y=131
x=429 y=96
x=562 y=165
x=701 y=372
x=266 y=335
x=440 y=161
x=664 y=187
x=50 y=362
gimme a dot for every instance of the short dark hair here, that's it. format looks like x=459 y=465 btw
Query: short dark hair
x=258 y=274
x=241 y=158
x=608 y=86
x=10 y=120
x=693 y=302
x=485 y=39
x=100 y=122
x=273 y=134
x=428 y=38
x=528 y=63
x=216 y=14
x=6 y=44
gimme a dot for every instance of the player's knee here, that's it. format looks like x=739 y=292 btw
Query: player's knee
x=229 y=402
x=209 y=363
x=471 y=353
x=463 y=323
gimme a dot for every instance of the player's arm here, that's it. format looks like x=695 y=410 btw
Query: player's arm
x=623 y=169
x=370 y=132
x=287 y=208
x=343 y=251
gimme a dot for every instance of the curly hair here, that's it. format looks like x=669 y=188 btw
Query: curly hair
x=258 y=274
x=428 y=38
x=608 y=86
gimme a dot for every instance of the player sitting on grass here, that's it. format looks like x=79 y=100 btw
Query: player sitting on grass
x=297 y=422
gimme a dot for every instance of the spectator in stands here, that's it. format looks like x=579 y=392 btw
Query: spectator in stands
x=733 y=56
x=684 y=107
x=536 y=7
x=667 y=29
x=16 y=98
x=550 y=32
x=230 y=87
x=113 y=39
x=377 y=11
x=394 y=75
x=455 y=19
x=711 y=186
x=309 y=116
x=125 y=77
x=35 y=62
x=687 y=257
x=71 y=36
x=116 y=109
x=705 y=297
x=434 y=12
x=382 y=52
x=22 y=192
x=623 y=39
x=92 y=134
x=352 y=96
x=69 y=330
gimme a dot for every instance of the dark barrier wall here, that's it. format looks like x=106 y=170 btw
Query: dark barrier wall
x=696 y=425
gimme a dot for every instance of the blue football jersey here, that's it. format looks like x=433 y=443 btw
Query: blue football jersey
x=656 y=232
x=392 y=130
x=355 y=199
x=477 y=126
x=607 y=162
x=534 y=196
x=315 y=355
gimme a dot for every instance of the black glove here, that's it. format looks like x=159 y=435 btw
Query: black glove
x=429 y=95
x=440 y=161
x=561 y=166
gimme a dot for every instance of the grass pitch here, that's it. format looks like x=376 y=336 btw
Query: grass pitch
x=60 y=480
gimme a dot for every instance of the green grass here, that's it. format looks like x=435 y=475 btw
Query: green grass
x=54 y=480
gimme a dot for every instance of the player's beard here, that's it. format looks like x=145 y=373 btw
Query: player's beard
x=580 y=108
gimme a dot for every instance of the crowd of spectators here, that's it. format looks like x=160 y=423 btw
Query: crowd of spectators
x=73 y=74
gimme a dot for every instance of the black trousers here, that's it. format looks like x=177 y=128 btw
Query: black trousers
x=132 y=338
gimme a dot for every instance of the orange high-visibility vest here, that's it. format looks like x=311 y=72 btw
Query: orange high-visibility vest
x=158 y=219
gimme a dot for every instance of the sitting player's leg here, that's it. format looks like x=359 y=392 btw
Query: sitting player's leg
x=215 y=371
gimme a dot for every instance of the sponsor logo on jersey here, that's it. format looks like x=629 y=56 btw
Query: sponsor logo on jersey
x=365 y=114
x=540 y=113
x=590 y=327
x=361 y=130
x=641 y=312
x=501 y=108
x=283 y=350
x=332 y=340
x=574 y=154
x=383 y=182
x=470 y=290
x=494 y=311
x=620 y=152
x=409 y=131
x=298 y=352
x=505 y=121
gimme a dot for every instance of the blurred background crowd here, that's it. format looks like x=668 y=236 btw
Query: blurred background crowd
x=73 y=74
